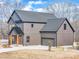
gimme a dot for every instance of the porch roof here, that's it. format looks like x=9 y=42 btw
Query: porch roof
x=17 y=30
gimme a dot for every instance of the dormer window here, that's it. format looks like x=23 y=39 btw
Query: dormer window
x=64 y=26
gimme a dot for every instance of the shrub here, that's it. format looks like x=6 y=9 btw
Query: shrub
x=49 y=45
x=76 y=45
x=4 y=46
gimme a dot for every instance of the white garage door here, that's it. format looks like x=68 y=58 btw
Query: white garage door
x=46 y=41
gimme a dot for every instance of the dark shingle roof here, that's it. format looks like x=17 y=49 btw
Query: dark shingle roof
x=34 y=16
x=53 y=24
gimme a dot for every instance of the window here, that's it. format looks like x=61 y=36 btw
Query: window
x=64 y=26
x=32 y=25
x=28 y=38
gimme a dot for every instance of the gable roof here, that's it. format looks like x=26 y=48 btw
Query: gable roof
x=54 y=24
x=17 y=30
x=30 y=16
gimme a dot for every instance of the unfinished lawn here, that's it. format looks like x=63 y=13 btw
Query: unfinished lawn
x=40 y=54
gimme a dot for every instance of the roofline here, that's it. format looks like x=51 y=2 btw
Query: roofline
x=12 y=30
x=60 y=25
x=24 y=21
x=18 y=15
x=34 y=22
x=36 y=12
x=47 y=31
x=11 y=16
x=70 y=25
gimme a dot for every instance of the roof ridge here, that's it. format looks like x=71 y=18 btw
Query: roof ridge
x=35 y=12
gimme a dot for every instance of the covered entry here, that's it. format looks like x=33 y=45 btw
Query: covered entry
x=15 y=36
x=46 y=41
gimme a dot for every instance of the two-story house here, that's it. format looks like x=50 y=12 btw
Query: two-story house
x=36 y=28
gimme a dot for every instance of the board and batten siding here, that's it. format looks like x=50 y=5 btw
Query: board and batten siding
x=65 y=37
x=33 y=33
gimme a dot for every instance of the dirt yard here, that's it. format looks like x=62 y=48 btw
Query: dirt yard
x=41 y=54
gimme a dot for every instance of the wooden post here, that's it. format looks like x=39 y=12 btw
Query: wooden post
x=0 y=39
x=10 y=40
x=17 y=39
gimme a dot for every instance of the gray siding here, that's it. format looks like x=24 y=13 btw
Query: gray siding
x=35 y=37
x=65 y=37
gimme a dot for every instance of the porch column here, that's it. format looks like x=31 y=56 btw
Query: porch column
x=10 y=39
x=0 y=39
x=17 y=40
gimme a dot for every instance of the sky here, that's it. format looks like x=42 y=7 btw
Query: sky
x=39 y=4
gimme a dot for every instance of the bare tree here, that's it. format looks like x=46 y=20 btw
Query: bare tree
x=6 y=9
x=69 y=11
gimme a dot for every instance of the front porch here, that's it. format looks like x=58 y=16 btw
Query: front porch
x=16 y=36
x=15 y=39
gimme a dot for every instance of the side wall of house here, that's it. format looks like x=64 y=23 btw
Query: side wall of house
x=65 y=37
x=33 y=33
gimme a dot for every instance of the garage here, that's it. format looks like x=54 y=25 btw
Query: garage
x=46 y=41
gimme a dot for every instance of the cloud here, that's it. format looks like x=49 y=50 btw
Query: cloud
x=29 y=6
x=40 y=10
x=37 y=2
x=18 y=1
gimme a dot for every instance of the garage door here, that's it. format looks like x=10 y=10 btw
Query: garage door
x=46 y=41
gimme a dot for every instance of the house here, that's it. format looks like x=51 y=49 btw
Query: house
x=36 y=28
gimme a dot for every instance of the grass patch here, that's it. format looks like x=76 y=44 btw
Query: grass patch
x=55 y=53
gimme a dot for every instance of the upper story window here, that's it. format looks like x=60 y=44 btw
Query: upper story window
x=32 y=25
x=65 y=26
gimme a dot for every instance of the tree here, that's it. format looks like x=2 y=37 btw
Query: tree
x=66 y=10
x=6 y=9
x=69 y=11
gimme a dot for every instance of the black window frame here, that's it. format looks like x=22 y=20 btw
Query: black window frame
x=28 y=38
x=32 y=25
x=65 y=26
